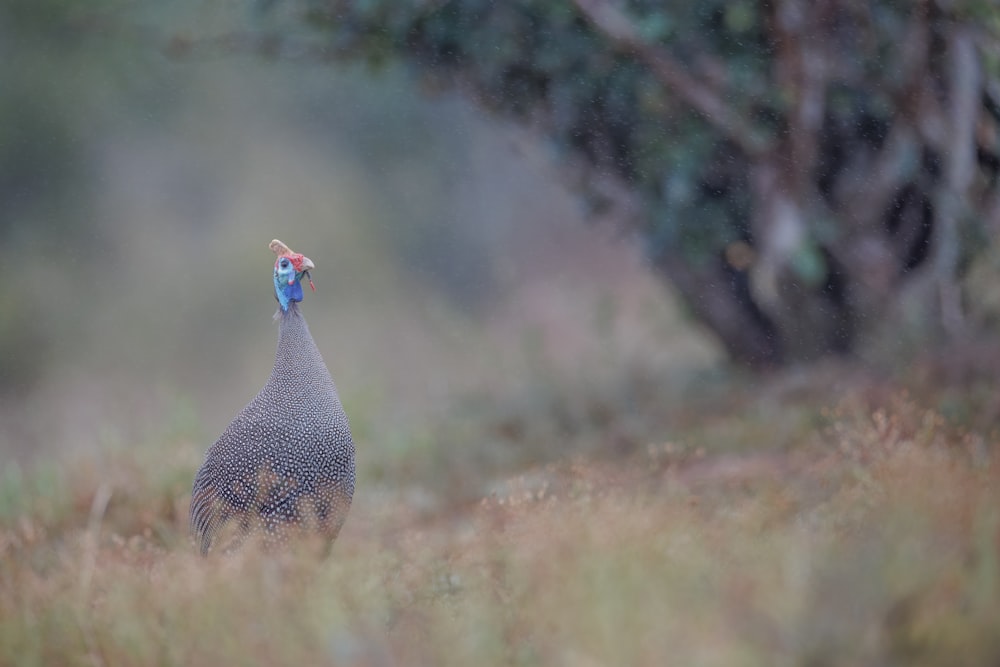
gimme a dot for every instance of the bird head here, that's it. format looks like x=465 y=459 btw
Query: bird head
x=289 y=269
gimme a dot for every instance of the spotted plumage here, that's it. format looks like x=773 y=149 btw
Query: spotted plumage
x=286 y=462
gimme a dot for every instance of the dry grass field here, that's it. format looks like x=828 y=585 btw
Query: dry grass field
x=767 y=527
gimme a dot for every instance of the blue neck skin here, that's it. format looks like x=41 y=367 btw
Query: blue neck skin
x=286 y=293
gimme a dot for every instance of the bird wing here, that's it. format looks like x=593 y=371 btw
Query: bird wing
x=206 y=518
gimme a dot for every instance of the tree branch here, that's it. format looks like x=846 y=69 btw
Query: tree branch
x=959 y=171
x=992 y=215
x=619 y=28
x=801 y=73
x=868 y=184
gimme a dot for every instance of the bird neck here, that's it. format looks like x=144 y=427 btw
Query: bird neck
x=296 y=349
x=292 y=308
x=292 y=327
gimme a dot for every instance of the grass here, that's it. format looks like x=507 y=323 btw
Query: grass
x=773 y=527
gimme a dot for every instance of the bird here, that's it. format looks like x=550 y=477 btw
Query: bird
x=285 y=464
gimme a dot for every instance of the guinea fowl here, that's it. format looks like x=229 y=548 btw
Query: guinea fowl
x=286 y=462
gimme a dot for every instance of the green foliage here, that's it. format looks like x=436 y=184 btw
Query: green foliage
x=522 y=58
x=528 y=58
x=687 y=106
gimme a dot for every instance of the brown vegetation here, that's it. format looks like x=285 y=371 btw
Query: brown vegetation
x=869 y=535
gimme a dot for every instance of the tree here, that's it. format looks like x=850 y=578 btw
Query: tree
x=791 y=166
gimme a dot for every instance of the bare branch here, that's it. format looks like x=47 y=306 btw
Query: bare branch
x=991 y=99
x=868 y=185
x=959 y=170
x=963 y=109
x=992 y=215
x=619 y=28
x=914 y=54
x=800 y=71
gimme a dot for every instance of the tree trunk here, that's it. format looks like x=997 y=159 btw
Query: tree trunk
x=718 y=297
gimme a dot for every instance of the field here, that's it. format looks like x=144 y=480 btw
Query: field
x=828 y=520
x=556 y=464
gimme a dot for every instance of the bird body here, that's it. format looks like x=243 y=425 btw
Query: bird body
x=287 y=460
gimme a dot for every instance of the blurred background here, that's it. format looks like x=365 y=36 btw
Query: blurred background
x=477 y=303
x=668 y=331
x=459 y=284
